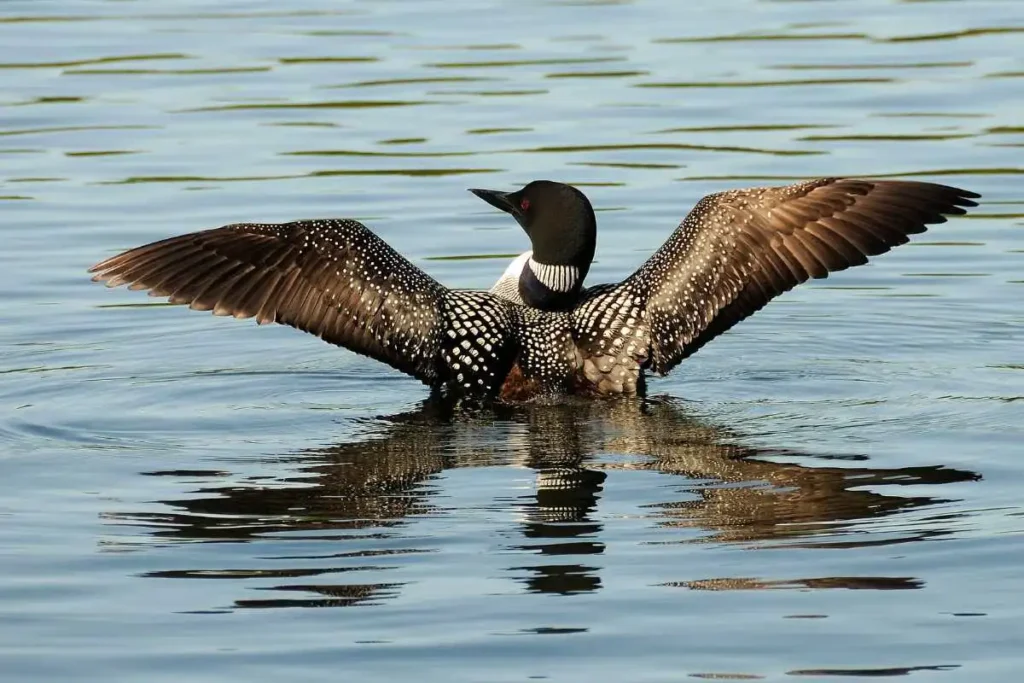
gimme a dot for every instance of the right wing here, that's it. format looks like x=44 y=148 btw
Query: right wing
x=332 y=278
x=739 y=249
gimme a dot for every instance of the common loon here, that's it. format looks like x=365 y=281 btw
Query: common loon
x=538 y=332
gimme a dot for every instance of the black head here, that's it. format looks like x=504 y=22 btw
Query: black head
x=559 y=221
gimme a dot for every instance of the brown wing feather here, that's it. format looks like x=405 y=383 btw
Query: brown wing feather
x=331 y=278
x=830 y=224
x=737 y=250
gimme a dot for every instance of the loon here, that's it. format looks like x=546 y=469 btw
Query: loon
x=538 y=332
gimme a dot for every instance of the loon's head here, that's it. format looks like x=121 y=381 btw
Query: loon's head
x=560 y=223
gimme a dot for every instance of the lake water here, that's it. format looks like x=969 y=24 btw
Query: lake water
x=833 y=489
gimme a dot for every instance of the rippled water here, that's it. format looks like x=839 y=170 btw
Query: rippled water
x=831 y=489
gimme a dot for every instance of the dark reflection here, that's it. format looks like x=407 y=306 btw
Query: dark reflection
x=345 y=509
x=561 y=579
x=328 y=595
x=878 y=583
x=807 y=506
x=878 y=673
x=552 y=631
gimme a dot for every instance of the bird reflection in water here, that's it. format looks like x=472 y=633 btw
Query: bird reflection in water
x=353 y=500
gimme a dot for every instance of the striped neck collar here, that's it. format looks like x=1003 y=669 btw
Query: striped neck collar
x=561 y=278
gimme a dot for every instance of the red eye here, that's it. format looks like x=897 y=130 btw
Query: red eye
x=524 y=204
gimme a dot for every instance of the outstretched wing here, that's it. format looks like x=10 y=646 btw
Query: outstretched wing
x=737 y=250
x=331 y=278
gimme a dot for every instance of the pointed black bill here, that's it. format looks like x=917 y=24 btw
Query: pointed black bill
x=499 y=200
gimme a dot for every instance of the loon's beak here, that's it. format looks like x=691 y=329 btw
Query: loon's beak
x=499 y=200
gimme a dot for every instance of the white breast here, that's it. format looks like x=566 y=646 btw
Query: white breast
x=507 y=286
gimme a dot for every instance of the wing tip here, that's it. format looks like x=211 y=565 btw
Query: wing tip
x=99 y=268
x=961 y=200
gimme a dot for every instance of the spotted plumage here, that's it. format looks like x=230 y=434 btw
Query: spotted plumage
x=730 y=256
x=479 y=341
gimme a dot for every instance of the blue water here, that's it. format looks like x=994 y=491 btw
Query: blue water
x=831 y=489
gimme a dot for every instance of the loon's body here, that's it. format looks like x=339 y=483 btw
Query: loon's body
x=538 y=331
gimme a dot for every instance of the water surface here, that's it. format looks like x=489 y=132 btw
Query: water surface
x=832 y=489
